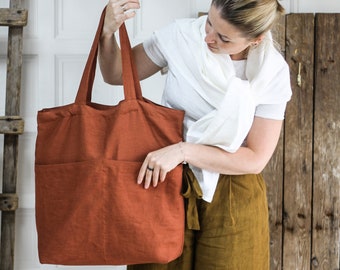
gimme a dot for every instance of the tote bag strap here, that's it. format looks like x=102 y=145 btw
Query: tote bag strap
x=132 y=88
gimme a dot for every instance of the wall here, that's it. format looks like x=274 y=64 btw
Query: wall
x=296 y=6
x=313 y=6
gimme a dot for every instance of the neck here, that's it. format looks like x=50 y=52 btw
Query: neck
x=241 y=55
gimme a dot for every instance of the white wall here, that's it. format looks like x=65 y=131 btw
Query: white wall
x=315 y=6
x=296 y=6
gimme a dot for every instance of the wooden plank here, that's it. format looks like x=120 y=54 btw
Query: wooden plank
x=279 y=34
x=14 y=64
x=8 y=202
x=326 y=201
x=11 y=125
x=13 y=17
x=13 y=89
x=273 y=175
x=7 y=244
x=298 y=144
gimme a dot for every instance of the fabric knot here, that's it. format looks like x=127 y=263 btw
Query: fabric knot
x=191 y=191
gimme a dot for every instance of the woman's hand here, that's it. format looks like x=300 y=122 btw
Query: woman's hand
x=250 y=159
x=117 y=12
x=158 y=163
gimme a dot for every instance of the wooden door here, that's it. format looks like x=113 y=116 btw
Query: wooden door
x=303 y=175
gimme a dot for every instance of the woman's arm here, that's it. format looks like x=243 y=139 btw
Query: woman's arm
x=261 y=143
x=110 y=62
x=251 y=159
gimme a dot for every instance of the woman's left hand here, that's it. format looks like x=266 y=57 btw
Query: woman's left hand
x=158 y=163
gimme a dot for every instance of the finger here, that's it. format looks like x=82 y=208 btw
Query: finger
x=145 y=173
x=148 y=178
x=162 y=176
x=128 y=5
x=142 y=173
x=155 y=178
x=114 y=17
x=124 y=2
x=117 y=12
x=129 y=15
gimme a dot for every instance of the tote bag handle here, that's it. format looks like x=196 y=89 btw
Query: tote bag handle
x=132 y=88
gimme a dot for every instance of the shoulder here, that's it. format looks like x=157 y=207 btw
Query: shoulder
x=269 y=72
x=186 y=28
x=177 y=26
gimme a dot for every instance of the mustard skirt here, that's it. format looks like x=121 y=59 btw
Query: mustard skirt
x=230 y=233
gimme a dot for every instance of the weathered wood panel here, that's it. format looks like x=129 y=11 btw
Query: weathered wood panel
x=326 y=201
x=11 y=125
x=298 y=143
x=13 y=17
x=8 y=202
x=273 y=175
x=13 y=89
x=279 y=34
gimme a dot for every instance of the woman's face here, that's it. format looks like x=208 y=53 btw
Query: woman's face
x=224 y=38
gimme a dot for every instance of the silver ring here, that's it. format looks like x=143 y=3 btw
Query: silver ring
x=150 y=169
x=123 y=8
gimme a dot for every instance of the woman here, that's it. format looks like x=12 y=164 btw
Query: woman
x=233 y=85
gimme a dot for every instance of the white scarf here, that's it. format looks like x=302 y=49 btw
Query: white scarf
x=234 y=100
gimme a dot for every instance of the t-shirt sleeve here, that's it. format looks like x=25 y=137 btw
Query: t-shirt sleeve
x=153 y=51
x=274 y=106
x=271 y=111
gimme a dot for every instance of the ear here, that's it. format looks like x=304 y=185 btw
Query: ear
x=258 y=40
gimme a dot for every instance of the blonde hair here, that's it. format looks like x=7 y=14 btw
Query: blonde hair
x=252 y=17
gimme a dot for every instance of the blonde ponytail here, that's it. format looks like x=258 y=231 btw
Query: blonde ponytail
x=252 y=17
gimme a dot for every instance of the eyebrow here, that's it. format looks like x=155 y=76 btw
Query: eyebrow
x=219 y=34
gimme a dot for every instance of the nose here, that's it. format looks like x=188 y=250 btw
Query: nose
x=210 y=37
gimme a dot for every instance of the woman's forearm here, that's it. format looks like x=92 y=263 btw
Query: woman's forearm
x=110 y=59
x=261 y=143
x=243 y=161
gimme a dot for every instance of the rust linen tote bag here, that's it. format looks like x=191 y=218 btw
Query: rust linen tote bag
x=89 y=208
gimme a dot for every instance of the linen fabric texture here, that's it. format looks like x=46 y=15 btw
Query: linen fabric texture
x=233 y=229
x=89 y=208
x=219 y=106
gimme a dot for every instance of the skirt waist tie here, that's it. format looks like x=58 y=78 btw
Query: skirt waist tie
x=191 y=191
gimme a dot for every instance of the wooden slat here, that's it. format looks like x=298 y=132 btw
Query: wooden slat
x=279 y=34
x=298 y=144
x=326 y=212
x=11 y=125
x=13 y=89
x=8 y=202
x=14 y=65
x=13 y=17
x=273 y=175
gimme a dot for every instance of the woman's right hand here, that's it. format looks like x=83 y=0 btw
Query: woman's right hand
x=117 y=12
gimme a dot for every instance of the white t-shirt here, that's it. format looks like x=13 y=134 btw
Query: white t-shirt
x=218 y=99
x=177 y=98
